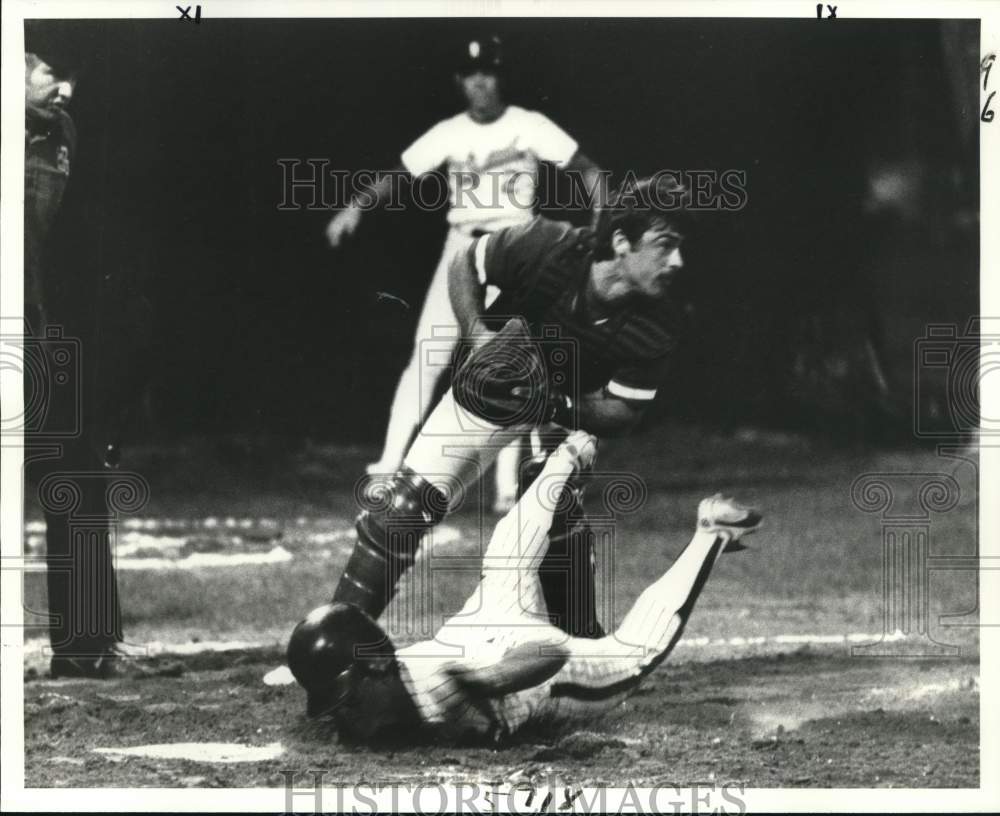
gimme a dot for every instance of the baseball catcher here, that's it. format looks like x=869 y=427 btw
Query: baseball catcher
x=592 y=337
x=499 y=665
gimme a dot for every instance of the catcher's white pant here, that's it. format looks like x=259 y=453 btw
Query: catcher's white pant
x=507 y=611
x=434 y=341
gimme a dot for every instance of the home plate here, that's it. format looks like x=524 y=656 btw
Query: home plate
x=281 y=676
x=201 y=751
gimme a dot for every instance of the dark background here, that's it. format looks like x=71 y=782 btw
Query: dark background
x=859 y=140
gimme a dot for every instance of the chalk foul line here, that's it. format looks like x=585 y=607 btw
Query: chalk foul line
x=37 y=646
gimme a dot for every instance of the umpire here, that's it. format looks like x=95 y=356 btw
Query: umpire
x=72 y=407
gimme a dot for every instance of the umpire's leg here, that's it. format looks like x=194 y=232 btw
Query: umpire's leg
x=84 y=614
x=65 y=468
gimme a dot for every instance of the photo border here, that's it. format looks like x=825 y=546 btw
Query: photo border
x=16 y=797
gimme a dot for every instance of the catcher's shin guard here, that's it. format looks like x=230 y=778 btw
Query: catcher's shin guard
x=567 y=573
x=568 y=577
x=389 y=534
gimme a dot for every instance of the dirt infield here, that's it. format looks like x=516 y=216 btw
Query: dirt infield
x=763 y=689
x=807 y=719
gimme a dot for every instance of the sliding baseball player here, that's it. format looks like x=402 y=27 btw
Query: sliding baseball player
x=499 y=665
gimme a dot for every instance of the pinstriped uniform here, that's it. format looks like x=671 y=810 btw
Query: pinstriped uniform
x=507 y=611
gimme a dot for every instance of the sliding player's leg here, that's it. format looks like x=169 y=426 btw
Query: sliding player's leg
x=510 y=586
x=601 y=669
x=506 y=476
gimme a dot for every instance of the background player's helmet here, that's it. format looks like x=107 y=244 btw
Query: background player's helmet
x=325 y=645
x=482 y=54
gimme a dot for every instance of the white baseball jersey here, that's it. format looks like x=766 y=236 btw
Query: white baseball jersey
x=493 y=167
x=507 y=610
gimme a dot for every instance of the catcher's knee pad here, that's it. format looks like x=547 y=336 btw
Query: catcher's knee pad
x=397 y=515
x=400 y=513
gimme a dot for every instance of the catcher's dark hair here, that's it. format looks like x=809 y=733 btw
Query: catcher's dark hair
x=639 y=204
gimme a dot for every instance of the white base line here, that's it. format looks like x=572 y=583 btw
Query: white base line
x=787 y=640
x=36 y=646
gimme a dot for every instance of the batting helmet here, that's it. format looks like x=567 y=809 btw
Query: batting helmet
x=331 y=640
x=482 y=54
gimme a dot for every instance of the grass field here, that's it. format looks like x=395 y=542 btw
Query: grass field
x=239 y=540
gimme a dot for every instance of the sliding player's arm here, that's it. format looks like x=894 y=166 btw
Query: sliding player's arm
x=522 y=667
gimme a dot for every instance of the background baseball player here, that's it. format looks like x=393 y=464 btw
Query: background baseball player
x=605 y=298
x=498 y=664
x=491 y=153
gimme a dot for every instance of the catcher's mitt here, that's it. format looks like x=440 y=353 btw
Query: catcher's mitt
x=506 y=383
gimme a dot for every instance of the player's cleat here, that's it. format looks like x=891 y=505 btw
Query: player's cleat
x=728 y=518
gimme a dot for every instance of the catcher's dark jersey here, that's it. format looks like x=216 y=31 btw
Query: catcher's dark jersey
x=541 y=269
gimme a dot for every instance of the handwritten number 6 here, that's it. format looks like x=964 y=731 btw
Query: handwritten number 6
x=988 y=114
